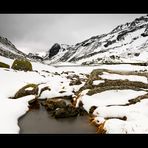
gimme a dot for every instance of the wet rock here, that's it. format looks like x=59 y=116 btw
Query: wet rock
x=81 y=110
x=43 y=103
x=34 y=104
x=68 y=111
x=50 y=107
x=91 y=110
x=52 y=104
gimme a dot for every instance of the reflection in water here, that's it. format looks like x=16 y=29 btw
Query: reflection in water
x=40 y=122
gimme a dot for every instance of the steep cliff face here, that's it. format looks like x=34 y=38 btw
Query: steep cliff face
x=54 y=50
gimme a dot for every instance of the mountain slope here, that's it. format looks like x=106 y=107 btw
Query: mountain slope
x=8 y=50
x=126 y=43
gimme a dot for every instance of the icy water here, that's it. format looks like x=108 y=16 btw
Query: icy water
x=39 y=121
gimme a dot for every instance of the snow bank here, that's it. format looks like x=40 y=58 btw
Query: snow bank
x=123 y=77
x=136 y=114
x=10 y=111
x=110 y=97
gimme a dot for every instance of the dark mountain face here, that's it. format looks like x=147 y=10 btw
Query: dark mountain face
x=54 y=50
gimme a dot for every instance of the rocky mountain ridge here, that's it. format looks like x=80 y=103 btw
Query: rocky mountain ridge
x=127 y=43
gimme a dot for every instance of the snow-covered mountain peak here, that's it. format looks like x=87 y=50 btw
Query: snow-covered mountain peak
x=126 y=43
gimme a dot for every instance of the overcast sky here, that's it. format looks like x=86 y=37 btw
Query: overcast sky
x=38 y=32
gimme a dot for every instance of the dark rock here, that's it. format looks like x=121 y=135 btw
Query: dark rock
x=109 y=43
x=43 y=89
x=137 y=54
x=34 y=104
x=62 y=91
x=82 y=111
x=56 y=73
x=52 y=104
x=75 y=82
x=54 y=50
x=91 y=110
x=43 y=103
x=68 y=111
x=30 y=55
x=144 y=34
x=122 y=35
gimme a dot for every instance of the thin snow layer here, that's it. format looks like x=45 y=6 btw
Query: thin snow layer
x=110 y=97
x=11 y=81
x=123 y=77
x=97 y=82
x=56 y=84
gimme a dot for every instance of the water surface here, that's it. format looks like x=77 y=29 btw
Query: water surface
x=39 y=121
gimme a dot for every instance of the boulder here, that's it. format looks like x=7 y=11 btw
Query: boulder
x=68 y=111
x=22 y=64
x=30 y=89
x=52 y=104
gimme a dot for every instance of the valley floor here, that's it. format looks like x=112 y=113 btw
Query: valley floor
x=115 y=96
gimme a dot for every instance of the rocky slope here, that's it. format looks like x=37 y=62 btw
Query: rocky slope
x=8 y=50
x=127 y=43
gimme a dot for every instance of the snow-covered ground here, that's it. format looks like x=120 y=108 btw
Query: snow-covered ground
x=54 y=78
x=11 y=81
x=113 y=109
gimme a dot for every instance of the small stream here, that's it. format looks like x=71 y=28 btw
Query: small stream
x=39 y=121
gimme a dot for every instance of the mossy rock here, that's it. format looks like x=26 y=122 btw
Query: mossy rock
x=52 y=104
x=30 y=89
x=4 y=65
x=22 y=64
